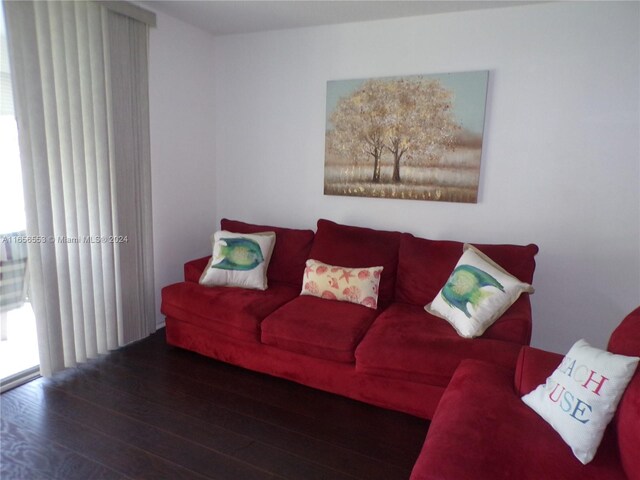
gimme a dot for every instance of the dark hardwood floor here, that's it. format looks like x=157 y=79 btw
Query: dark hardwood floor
x=149 y=411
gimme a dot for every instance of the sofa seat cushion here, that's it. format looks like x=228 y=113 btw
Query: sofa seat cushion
x=318 y=327
x=407 y=343
x=230 y=311
x=482 y=420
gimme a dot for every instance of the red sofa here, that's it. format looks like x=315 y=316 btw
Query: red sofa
x=482 y=429
x=397 y=356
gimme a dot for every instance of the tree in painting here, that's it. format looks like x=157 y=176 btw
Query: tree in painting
x=420 y=122
x=407 y=118
x=359 y=125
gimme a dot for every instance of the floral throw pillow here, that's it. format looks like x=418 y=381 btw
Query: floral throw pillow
x=355 y=285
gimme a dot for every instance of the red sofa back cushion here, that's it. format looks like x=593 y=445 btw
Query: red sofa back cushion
x=289 y=253
x=358 y=247
x=425 y=265
x=625 y=340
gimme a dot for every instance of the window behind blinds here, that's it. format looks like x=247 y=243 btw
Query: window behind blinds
x=6 y=95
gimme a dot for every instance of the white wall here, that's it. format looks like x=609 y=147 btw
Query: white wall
x=560 y=166
x=182 y=146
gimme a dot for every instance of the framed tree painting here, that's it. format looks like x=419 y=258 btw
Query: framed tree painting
x=413 y=137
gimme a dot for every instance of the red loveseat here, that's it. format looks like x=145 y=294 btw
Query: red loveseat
x=482 y=429
x=397 y=356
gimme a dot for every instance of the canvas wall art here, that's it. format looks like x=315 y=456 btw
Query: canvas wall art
x=413 y=137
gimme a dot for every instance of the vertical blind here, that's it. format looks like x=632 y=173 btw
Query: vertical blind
x=80 y=76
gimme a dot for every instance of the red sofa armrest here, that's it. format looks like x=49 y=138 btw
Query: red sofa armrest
x=193 y=269
x=533 y=368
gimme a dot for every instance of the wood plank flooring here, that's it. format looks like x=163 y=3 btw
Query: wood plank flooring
x=150 y=411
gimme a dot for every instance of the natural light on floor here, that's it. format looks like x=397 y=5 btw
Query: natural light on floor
x=19 y=351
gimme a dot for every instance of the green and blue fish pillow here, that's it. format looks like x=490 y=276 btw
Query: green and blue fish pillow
x=466 y=286
x=239 y=254
x=476 y=294
x=239 y=260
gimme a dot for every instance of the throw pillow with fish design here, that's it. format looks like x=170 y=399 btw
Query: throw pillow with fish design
x=476 y=294
x=239 y=260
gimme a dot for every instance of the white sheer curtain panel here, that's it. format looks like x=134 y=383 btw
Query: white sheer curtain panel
x=81 y=100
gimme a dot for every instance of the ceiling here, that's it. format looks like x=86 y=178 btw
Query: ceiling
x=224 y=17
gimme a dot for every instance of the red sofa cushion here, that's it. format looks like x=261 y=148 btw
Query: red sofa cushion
x=407 y=343
x=233 y=312
x=289 y=253
x=194 y=268
x=317 y=327
x=425 y=265
x=482 y=429
x=533 y=368
x=357 y=247
x=625 y=340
